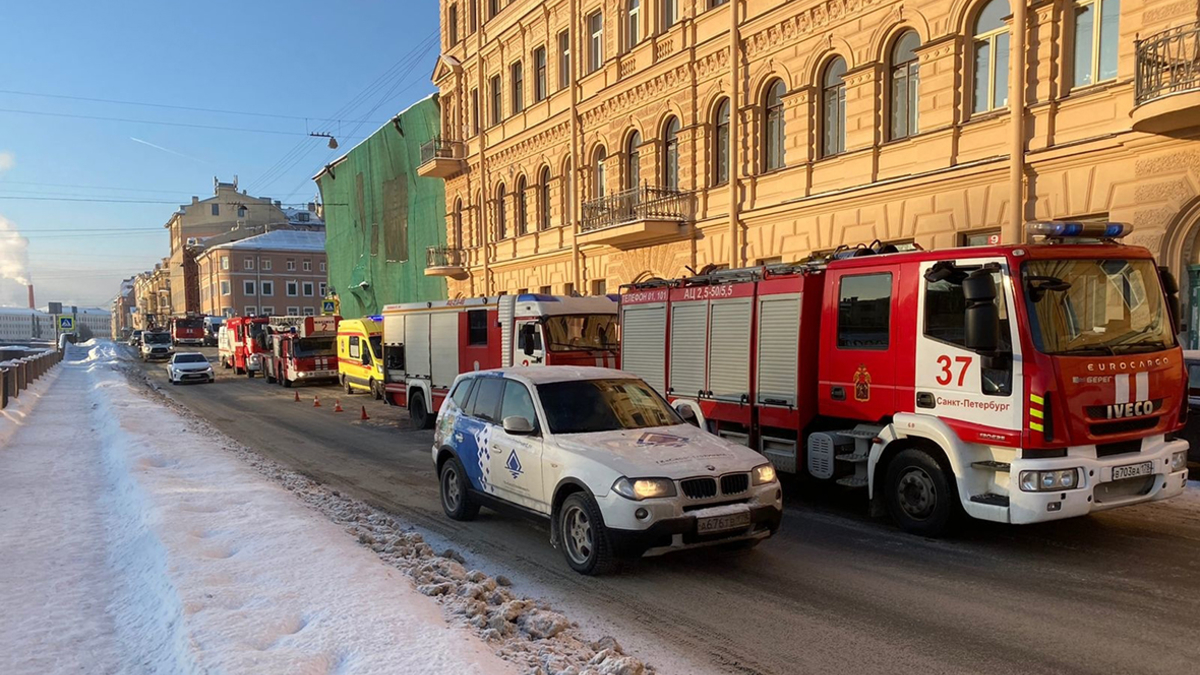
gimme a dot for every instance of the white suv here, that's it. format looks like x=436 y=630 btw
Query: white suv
x=616 y=470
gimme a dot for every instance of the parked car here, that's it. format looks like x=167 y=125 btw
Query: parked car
x=1191 y=358
x=156 y=346
x=190 y=367
x=135 y=339
x=599 y=453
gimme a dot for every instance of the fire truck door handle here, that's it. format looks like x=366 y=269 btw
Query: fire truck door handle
x=838 y=393
x=925 y=400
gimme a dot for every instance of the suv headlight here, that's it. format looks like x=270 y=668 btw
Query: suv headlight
x=638 y=489
x=761 y=475
x=1049 y=481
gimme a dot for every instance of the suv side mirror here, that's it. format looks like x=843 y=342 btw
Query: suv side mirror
x=517 y=426
x=688 y=415
x=982 y=318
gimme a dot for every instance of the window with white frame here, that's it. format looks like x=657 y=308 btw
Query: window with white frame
x=293 y=311
x=1095 y=41
x=633 y=30
x=308 y=289
x=224 y=262
x=225 y=288
x=268 y=310
x=291 y=264
x=250 y=310
x=248 y=263
x=292 y=288
x=267 y=288
x=833 y=108
x=248 y=288
x=905 y=82
x=266 y=265
x=322 y=265
x=310 y=311
x=990 y=57
x=321 y=289
x=595 y=23
x=307 y=265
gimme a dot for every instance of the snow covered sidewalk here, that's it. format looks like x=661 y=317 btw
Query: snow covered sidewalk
x=132 y=541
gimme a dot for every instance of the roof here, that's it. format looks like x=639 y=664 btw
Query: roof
x=546 y=374
x=279 y=240
x=293 y=216
x=23 y=311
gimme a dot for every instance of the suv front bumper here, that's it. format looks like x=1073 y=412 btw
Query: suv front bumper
x=674 y=534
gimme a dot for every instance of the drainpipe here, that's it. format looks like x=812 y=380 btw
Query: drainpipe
x=735 y=105
x=482 y=218
x=1016 y=92
x=571 y=191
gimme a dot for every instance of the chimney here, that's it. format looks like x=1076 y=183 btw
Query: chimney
x=31 y=305
x=312 y=206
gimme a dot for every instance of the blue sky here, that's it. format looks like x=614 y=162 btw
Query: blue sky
x=278 y=57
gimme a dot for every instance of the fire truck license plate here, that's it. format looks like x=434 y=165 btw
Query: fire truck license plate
x=733 y=521
x=1133 y=470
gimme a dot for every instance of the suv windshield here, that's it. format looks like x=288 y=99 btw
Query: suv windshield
x=190 y=358
x=1090 y=307
x=587 y=406
x=590 y=332
x=157 y=338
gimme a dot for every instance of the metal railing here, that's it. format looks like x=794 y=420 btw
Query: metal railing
x=634 y=204
x=440 y=147
x=444 y=256
x=17 y=373
x=1168 y=63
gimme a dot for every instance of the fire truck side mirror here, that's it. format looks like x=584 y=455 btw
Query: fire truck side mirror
x=1171 y=287
x=982 y=320
x=527 y=341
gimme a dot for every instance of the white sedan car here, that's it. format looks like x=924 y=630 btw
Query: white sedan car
x=616 y=470
x=190 y=367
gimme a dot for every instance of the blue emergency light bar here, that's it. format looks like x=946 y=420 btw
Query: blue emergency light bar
x=376 y=318
x=1095 y=230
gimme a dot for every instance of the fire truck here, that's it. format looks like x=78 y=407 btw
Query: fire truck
x=300 y=349
x=1016 y=384
x=241 y=345
x=187 y=330
x=427 y=344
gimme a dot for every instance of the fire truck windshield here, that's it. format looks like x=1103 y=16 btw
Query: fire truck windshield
x=588 y=406
x=1094 y=307
x=588 y=332
x=309 y=347
x=189 y=323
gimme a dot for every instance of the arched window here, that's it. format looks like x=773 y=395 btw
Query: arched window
x=598 y=170
x=774 y=134
x=522 y=207
x=544 y=198
x=633 y=29
x=632 y=161
x=990 y=57
x=670 y=162
x=721 y=143
x=833 y=107
x=904 y=82
x=501 y=224
x=456 y=225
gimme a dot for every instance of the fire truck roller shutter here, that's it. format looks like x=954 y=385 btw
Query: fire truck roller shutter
x=689 y=338
x=778 y=340
x=643 y=343
x=505 y=313
x=729 y=349
x=416 y=345
x=444 y=349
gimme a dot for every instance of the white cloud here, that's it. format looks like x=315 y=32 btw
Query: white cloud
x=7 y=160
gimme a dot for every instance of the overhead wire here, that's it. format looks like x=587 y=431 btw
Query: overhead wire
x=187 y=125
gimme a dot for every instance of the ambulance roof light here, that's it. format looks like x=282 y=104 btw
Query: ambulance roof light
x=1057 y=229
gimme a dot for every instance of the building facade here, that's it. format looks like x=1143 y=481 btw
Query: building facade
x=592 y=143
x=383 y=218
x=119 y=310
x=152 y=298
x=276 y=273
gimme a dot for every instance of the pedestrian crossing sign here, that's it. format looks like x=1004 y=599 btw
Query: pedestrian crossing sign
x=66 y=324
x=327 y=307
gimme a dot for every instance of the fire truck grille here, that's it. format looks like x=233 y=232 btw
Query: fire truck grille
x=1119 y=448
x=699 y=488
x=1124 y=489
x=735 y=483
x=1101 y=412
x=1124 y=426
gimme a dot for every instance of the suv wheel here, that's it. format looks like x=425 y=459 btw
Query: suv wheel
x=921 y=496
x=584 y=537
x=456 y=500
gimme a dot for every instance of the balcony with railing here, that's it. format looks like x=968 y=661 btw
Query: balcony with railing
x=445 y=261
x=1168 y=81
x=441 y=158
x=636 y=216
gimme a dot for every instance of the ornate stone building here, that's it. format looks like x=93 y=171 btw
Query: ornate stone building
x=591 y=143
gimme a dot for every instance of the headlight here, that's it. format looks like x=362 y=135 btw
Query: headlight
x=644 y=488
x=1178 y=461
x=1049 y=481
x=763 y=474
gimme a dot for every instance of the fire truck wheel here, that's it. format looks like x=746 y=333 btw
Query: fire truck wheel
x=285 y=382
x=418 y=413
x=377 y=392
x=584 y=537
x=269 y=378
x=456 y=500
x=920 y=496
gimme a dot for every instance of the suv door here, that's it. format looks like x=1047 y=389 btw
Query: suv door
x=474 y=431
x=517 y=459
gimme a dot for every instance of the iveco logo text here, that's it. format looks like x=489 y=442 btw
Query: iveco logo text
x=1135 y=409
x=1128 y=365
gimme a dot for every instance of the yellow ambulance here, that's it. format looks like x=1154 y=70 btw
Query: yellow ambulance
x=360 y=348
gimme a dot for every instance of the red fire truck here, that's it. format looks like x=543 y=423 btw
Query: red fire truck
x=301 y=349
x=427 y=344
x=187 y=330
x=1013 y=383
x=240 y=346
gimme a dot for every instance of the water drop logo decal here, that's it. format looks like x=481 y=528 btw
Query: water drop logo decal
x=513 y=464
x=665 y=440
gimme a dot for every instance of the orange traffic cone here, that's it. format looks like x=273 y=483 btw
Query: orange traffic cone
x=337 y=405
x=316 y=401
x=364 y=414
x=297 y=397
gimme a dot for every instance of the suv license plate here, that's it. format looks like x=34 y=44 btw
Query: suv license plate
x=1132 y=470
x=733 y=521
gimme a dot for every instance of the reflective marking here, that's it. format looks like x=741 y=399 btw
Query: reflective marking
x=1143 y=386
x=1121 y=380
x=1034 y=412
x=1037 y=399
x=1036 y=426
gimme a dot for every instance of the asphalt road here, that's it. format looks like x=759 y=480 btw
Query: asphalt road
x=835 y=590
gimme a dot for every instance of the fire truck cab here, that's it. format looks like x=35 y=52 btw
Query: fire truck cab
x=242 y=347
x=1016 y=384
x=300 y=349
x=428 y=344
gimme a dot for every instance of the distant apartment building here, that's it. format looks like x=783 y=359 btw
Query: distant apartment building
x=122 y=317
x=227 y=215
x=152 y=298
x=276 y=273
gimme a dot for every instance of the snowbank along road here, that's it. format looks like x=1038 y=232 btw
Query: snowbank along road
x=834 y=591
x=136 y=539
